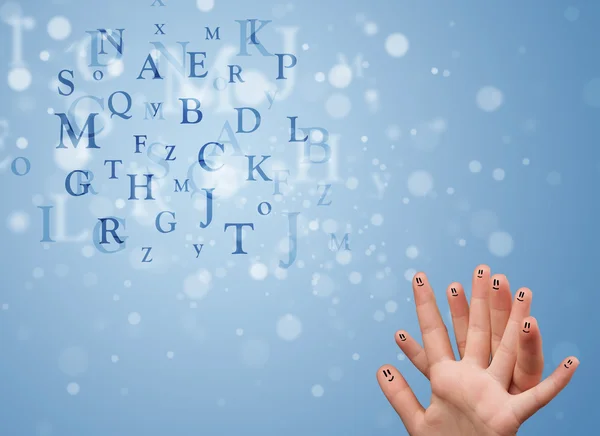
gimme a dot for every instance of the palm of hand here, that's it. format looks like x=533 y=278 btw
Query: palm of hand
x=467 y=400
x=475 y=396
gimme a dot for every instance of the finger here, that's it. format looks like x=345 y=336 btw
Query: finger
x=479 y=334
x=503 y=363
x=400 y=396
x=413 y=350
x=500 y=305
x=530 y=358
x=459 y=309
x=434 y=332
x=532 y=400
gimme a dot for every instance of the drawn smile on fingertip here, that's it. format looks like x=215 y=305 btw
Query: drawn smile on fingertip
x=480 y=273
x=570 y=362
x=521 y=296
x=527 y=327
x=496 y=285
x=387 y=373
x=419 y=281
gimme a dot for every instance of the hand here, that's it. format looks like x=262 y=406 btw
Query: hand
x=473 y=396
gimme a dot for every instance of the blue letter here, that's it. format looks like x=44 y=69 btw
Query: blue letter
x=186 y=110
x=238 y=235
x=133 y=186
x=171 y=224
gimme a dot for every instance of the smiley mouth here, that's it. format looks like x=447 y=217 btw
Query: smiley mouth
x=526 y=331
x=455 y=295
x=480 y=277
x=391 y=379
x=496 y=289
x=421 y=285
x=518 y=299
x=565 y=365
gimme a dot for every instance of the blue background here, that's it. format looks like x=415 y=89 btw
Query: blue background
x=101 y=344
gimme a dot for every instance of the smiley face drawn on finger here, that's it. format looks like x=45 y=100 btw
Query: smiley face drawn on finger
x=480 y=273
x=402 y=337
x=496 y=284
x=568 y=364
x=454 y=292
x=521 y=296
x=419 y=281
x=387 y=373
x=527 y=327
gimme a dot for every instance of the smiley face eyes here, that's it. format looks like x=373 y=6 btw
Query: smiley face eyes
x=402 y=337
x=526 y=327
x=521 y=296
x=387 y=373
x=480 y=273
x=454 y=292
x=419 y=281
x=568 y=364
x=496 y=284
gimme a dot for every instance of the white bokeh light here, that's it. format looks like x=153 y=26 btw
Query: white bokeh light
x=259 y=271
x=377 y=219
x=317 y=391
x=500 y=244
x=73 y=388
x=134 y=318
x=352 y=183
x=59 y=28
x=205 y=5
x=340 y=76
x=420 y=183
x=475 y=166
x=197 y=285
x=323 y=285
x=19 y=79
x=289 y=327
x=489 y=98
x=116 y=67
x=22 y=143
x=396 y=45
x=412 y=252
x=338 y=106
x=355 y=277
x=391 y=306
x=18 y=222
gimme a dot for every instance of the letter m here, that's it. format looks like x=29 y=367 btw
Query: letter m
x=65 y=126
x=179 y=187
x=333 y=243
x=212 y=35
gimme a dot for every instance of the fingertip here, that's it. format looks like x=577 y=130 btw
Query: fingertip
x=419 y=280
x=454 y=290
x=523 y=295
x=402 y=335
x=382 y=369
x=529 y=328
x=482 y=270
x=497 y=281
x=571 y=363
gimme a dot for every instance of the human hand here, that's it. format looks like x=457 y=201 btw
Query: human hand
x=473 y=396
